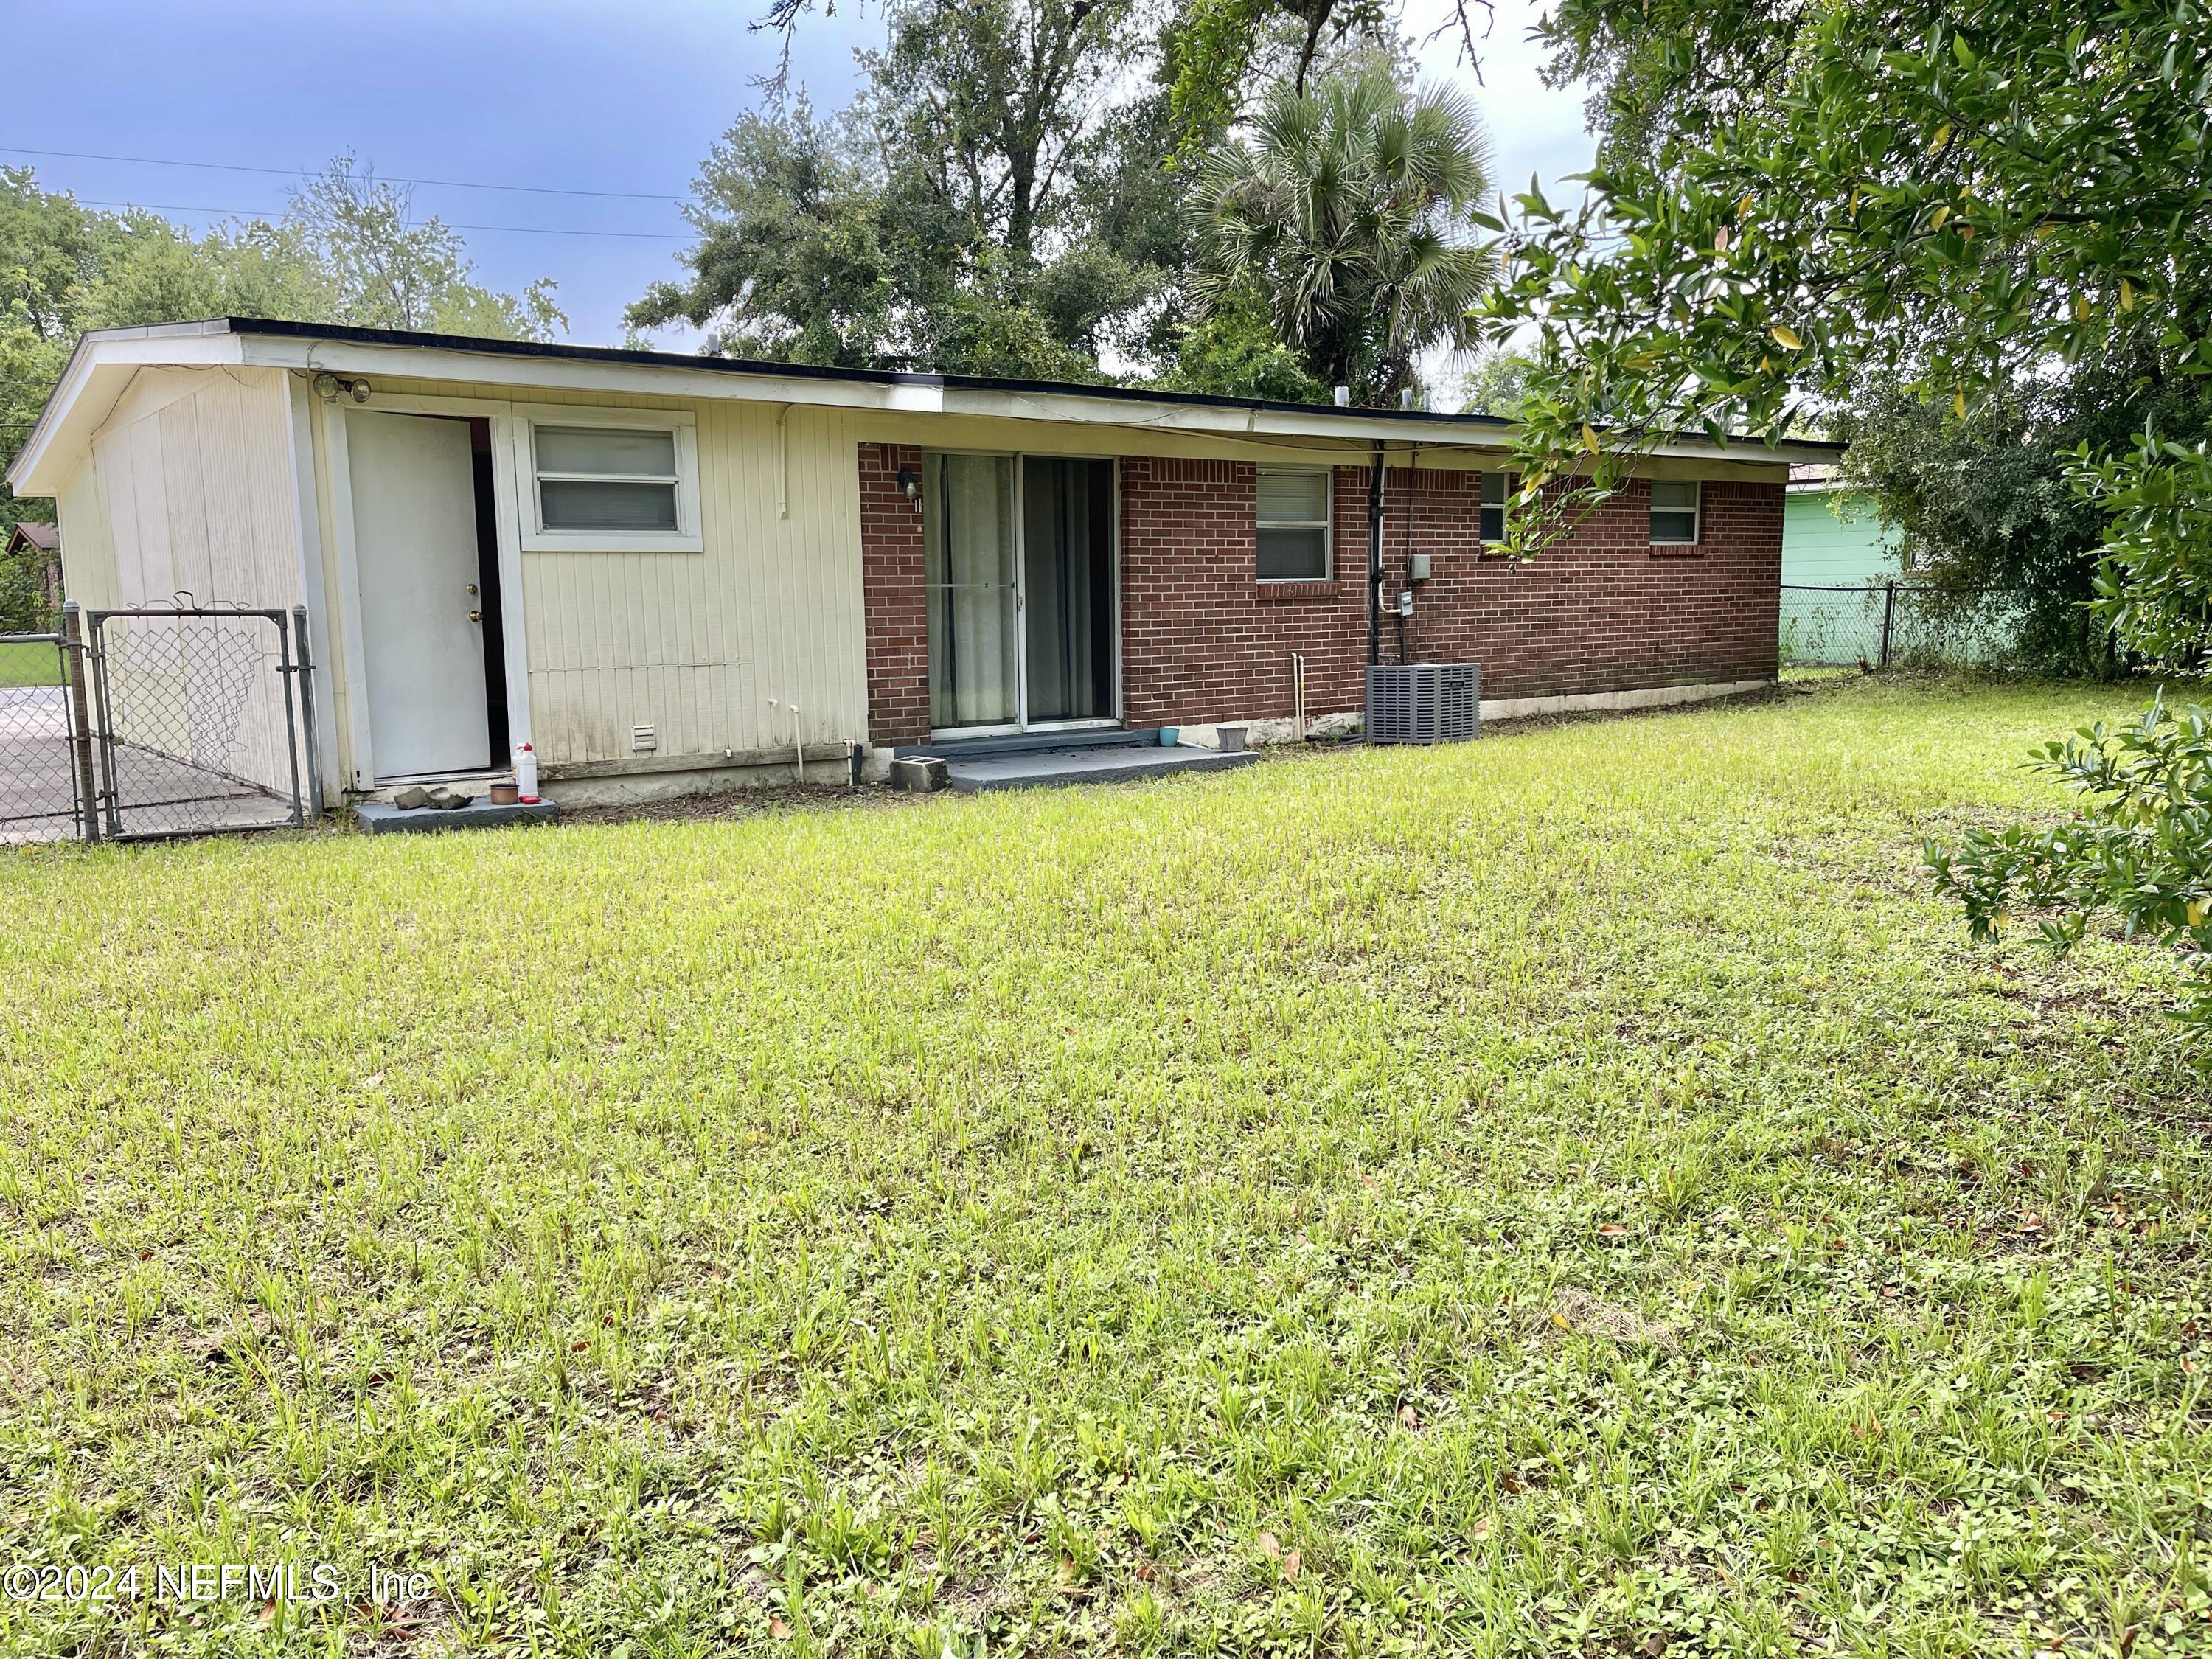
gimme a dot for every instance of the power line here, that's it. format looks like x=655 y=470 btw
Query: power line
x=520 y=230
x=304 y=173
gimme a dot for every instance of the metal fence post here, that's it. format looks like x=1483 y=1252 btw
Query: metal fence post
x=110 y=795
x=306 y=671
x=1888 y=616
x=80 y=721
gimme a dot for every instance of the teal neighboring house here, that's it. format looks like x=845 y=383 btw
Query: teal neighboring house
x=1831 y=537
x=1833 y=540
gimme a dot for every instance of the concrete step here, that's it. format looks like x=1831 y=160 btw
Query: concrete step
x=1029 y=743
x=1046 y=768
x=381 y=817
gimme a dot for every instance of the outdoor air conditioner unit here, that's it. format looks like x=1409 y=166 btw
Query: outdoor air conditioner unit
x=1424 y=702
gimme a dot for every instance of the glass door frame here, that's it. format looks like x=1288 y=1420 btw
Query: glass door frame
x=1022 y=725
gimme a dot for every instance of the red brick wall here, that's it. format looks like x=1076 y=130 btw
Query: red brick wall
x=895 y=600
x=1604 y=611
x=1203 y=638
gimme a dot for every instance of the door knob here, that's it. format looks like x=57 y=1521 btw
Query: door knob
x=475 y=615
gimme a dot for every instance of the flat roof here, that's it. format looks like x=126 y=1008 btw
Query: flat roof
x=703 y=364
x=105 y=360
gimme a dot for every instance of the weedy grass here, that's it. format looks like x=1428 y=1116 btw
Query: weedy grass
x=1572 y=1194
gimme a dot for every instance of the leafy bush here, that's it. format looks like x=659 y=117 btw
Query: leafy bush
x=2141 y=847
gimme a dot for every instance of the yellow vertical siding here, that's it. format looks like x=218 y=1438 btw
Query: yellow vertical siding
x=695 y=644
x=692 y=644
x=188 y=492
x=194 y=470
x=88 y=550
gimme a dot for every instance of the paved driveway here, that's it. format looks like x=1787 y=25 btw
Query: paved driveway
x=38 y=791
x=159 y=794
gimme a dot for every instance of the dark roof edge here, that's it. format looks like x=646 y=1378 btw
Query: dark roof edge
x=396 y=336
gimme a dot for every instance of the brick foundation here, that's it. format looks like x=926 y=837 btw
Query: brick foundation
x=1203 y=639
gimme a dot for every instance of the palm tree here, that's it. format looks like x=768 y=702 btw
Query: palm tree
x=1351 y=207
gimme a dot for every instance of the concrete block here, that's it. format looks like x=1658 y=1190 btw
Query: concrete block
x=876 y=766
x=377 y=817
x=918 y=773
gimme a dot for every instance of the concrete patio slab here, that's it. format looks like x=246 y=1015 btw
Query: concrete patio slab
x=1050 y=768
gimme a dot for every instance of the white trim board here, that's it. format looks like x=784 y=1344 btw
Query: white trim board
x=99 y=367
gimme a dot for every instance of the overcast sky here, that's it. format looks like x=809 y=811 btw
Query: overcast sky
x=555 y=93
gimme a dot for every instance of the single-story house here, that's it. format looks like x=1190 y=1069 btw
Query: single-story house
x=39 y=545
x=1832 y=537
x=665 y=572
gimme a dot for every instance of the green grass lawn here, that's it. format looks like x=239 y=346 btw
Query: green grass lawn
x=30 y=663
x=1575 y=1193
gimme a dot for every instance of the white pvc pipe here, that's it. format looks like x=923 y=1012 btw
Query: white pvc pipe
x=798 y=738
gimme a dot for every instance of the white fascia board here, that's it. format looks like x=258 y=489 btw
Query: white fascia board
x=1071 y=406
x=570 y=374
x=1219 y=420
x=100 y=371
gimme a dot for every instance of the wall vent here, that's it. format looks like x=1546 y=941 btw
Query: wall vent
x=643 y=740
x=1424 y=702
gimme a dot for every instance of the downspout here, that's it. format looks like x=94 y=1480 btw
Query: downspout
x=1374 y=559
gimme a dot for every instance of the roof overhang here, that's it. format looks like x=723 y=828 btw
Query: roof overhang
x=99 y=372
x=105 y=360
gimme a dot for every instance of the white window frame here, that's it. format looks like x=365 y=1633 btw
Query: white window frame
x=1503 y=504
x=537 y=539
x=1697 y=514
x=1326 y=524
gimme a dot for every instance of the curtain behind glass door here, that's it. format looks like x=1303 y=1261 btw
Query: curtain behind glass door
x=1068 y=568
x=968 y=534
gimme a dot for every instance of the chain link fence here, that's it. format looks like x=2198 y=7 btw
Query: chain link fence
x=44 y=790
x=1881 y=624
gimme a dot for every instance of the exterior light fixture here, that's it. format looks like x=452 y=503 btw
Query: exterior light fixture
x=329 y=387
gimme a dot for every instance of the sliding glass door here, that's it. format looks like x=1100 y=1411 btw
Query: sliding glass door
x=1020 y=572
x=967 y=514
x=1068 y=588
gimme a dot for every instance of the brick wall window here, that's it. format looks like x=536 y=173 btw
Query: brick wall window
x=1293 y=525
x=1675 y=509
x=1495 y=486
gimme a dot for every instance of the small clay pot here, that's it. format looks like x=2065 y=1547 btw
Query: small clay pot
x=504 y=795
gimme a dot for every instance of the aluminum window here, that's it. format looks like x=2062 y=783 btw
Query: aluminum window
x=608 y=481
x=1675 y=512
x=1496 y=487
x=1294 y=525
x=594 y=478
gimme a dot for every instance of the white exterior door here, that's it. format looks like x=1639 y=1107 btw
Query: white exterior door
x=422 y=616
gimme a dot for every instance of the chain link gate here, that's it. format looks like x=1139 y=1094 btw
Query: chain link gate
x=201 y=719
